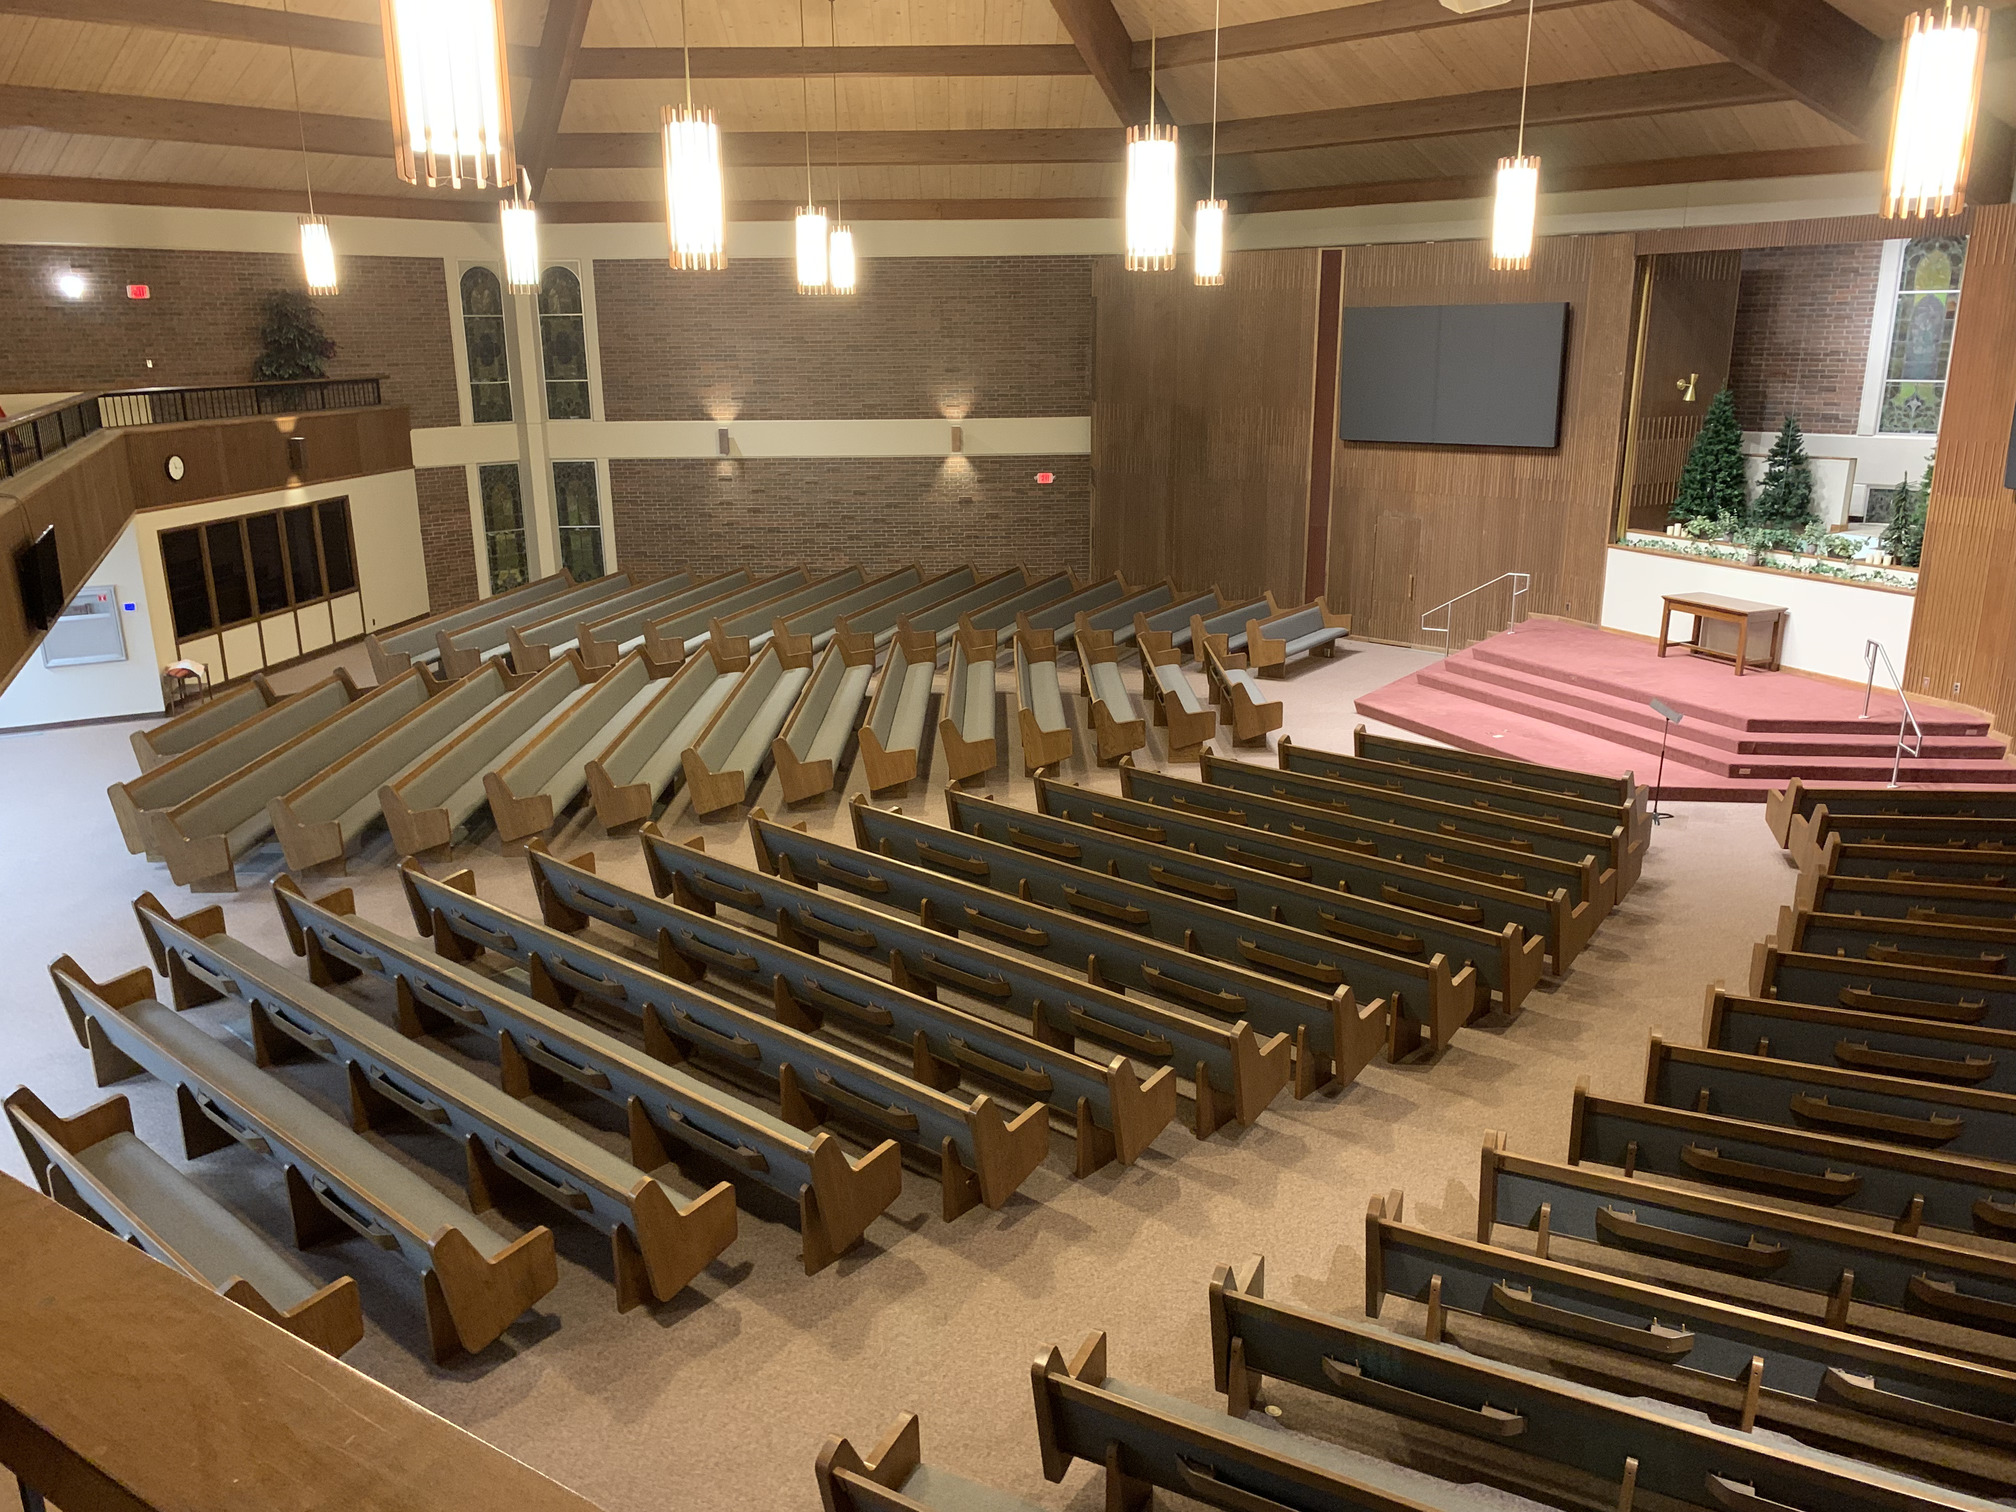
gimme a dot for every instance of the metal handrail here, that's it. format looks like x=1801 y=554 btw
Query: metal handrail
x=1522 y=581
x=1872 y=651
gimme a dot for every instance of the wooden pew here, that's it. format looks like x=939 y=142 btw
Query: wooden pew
x=1721 y=1237
x=966 y=730
x=1907 y=1188
x=643 y=760
x=668 y=1108
x=1227 y=619
x=1117 y=618
x=1235 y=1072
x=1512 y=841
x=1907 y=942
x=1988 y=838
x=1429 y=997
x=1838 y=857
x=1117 y=723
x=463 y=651
x=1311 y=629
x=1411 y=891
x=815 y=1080
x=1962 y=1055
x=894 y=728
x=413 y=643
x=1397 y=750
x=319 y=818
x=1334 y=1038
x=1039 y=702
x=1060 y=615
x=427 y=803
x=532 y=645
x=807 y=750
x=678 y=635
x=821 y=621
x=1958 y=997
x=1609 y=827
x=1145 y=1440
x=894 y=1478
x=940 y=618
x=1233 y=687
x=732 y=747
x=881 y=619
x=1000 y=614
x=1507 y=960
x=659 y=1244
x=602 y=640
x=1960 y=904
x=1173 y=619
x=474 y=1282
x=202 y=837
x=182 y=776
x=1799 y=798
x=1694 y=1336
x=1692 y=1462
x=1963 y=1122
x=1190 y=721
x=94 y=1165
x=758 y=623
x=1117 y=1113
x=216 y=715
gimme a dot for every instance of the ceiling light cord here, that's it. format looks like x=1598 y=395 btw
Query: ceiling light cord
x=1526 y=77
x=686 y=47
x=307 y=173
x=1216 y=5
x=833 y=26
x=805 y=96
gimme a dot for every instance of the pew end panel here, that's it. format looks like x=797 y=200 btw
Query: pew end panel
x=893 y=1479
x=1780 y=804
x=1241 y=1387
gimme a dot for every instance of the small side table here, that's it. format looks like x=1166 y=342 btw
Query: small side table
x=182 y=681
x=1764 y=622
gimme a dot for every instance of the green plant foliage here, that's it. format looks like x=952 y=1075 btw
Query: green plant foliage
x=1904 y=536
x=1712 y=482
x=292 y=341
x=1785 y=498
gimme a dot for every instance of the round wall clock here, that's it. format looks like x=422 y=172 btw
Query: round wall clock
x=175 y=469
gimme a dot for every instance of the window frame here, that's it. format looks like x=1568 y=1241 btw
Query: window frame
x=1890 y=307
x=484 y=534
x=202 y=528
x=601 y=525
x=503 y=319
x=580 y=317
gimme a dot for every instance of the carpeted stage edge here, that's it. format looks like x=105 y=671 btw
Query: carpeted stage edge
x=1575 y=696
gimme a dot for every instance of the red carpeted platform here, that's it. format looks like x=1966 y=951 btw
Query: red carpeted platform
x=1575 y=696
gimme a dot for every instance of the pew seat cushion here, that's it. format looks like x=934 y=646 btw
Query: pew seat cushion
x=1310 y=640
x=906 y=726
x=943 y=1491
x=754 y=741
x=976 y=706
x=830 y=739
x=1169 y=677
x=1046 y=701
x=1108 y=688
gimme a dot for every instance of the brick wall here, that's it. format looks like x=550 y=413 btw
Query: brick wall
x=201 y=323
x=446 y=540
x=1802 y=335
x=879 y=511
x=922 y=336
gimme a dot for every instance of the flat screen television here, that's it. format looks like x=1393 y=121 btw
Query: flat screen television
x=1453 y=375
x=41 y=578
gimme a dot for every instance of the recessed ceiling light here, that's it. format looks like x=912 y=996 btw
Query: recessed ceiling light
x=70 y=285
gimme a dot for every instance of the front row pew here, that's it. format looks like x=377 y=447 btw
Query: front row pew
x=1039 y=702
x=217 y=715
x=1116 y=722
x=728 y=752
x=659 y=1244
x=894 y=728
x=1173 y=618
x=1190 y=721
x=966 y=728
x=1635 y=1445
x=642 y=760
x=474 y=1281
x=807 y=750
x=1311 y=629
x=837 y=1197
x=1234 y=687
x=94 y=1165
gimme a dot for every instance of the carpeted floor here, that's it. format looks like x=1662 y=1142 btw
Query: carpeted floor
x=720 y=1399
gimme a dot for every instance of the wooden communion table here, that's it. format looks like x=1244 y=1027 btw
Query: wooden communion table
x=1766 y=621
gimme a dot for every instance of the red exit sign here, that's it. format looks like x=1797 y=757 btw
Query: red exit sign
x=1046 y=477
x=139 y=291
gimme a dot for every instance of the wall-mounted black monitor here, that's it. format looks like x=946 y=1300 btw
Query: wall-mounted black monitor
x=1453 y=375
x=41 y=577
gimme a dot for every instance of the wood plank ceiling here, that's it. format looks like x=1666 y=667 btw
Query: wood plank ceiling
x=956 y=108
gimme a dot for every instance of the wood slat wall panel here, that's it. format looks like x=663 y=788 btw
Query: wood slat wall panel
x=1963 y=633
x=1201 y=422
x=1412 y=526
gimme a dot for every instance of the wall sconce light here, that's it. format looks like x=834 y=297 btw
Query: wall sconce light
x=722 y=441
x=958 y=439
x=70 y=284
x=1686 y=387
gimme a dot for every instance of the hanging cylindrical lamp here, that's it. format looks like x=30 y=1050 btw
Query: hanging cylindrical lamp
x=451 y=94
x=840 y=259
x=1938 y=98
x=812 y=249
x=1207 y=237
x=1516 y=205
x=521 y=240
x=318 y=255
x=1151 y=188
x=696 y=211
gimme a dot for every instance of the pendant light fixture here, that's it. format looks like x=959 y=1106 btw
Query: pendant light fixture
x=1518 y=201
x=840 y=245
x=1151 y=188
x=1938 y=98
x=696 y=211
x=318 y=252
x=451 y=94
x=811 y=219
x=521 y=238
x=1207 y=241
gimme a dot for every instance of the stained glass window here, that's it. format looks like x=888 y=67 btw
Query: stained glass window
x=503 y=525
x=563 y=345
x=483 y=335
x=1921 y=335
x=579 y=508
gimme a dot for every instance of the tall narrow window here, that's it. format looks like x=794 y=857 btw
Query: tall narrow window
x=339 y=565
x=483 y=336
x=503 y=525
x=1921 y=335
x=563 y=345
x=229 y=572
x=188 y=581
x=580 y=510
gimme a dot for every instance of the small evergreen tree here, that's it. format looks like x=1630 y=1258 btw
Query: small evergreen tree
x=1785 y=499
x=292 y=341
x=1904 y=536
x=1712 y=482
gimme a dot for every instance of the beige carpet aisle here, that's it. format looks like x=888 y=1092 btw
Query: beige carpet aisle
x=720 y=1399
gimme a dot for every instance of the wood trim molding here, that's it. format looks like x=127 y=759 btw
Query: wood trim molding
x=1325 y=28
x=893 y=62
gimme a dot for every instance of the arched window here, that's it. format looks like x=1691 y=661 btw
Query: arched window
x=563 y=345
x=1921 y=334
x=483 y=334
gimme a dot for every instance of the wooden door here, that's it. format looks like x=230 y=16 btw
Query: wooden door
x=1686 y=330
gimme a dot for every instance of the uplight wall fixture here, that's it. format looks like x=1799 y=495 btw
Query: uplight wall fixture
x=451 y=94
x=1151 y=188
x=1517 y=203
x=521 y=238
x=318 y=251
x=696 y=210
x=1938 y=99
x=1207 y=239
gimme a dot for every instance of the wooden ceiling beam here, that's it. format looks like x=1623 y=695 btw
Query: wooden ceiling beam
x=784 y=149
x=425 y=205
x=795 y=62
x=559 y=52
x=1325 y=28
x=1812 y=51
x=87 y=113
x=1103 y=42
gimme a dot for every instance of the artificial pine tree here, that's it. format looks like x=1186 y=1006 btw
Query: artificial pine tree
x=1712 y=482
x=1785 y=499
x=1904 y=536
x=292 y=341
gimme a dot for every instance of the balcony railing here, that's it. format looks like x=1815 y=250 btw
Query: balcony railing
x=30 y=438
